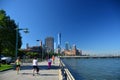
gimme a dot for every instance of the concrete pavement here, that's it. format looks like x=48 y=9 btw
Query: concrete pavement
x=26 y=72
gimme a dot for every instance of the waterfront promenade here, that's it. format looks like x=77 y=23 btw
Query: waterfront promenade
x=26 y=72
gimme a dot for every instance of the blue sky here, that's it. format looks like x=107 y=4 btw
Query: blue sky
x=93 y=25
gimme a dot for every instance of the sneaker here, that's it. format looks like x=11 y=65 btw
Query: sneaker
x=33 y=74
x=38 y=73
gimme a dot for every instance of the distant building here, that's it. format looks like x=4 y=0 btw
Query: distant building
x=27 y=46
x=41 y=43
x=59 y=39
x=59 y=43
x=72 y=52
x=37 y=49
x=67 y=46
x=49 y=44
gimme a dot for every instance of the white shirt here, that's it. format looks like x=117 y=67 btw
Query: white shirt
x=35 y=62
x=49 y=60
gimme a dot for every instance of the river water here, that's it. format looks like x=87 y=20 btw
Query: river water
x=94 y=69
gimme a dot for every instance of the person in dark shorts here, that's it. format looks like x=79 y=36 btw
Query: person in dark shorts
x=18 y=62
x=35 y=66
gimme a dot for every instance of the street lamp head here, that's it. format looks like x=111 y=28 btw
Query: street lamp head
x=37 y=40
x=26 y=30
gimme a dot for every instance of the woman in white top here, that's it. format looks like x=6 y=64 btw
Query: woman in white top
x=35 y=65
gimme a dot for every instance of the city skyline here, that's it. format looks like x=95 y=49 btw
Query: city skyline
x=93 y=25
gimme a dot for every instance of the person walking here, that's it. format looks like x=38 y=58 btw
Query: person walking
x=49 y=63
x=35 y=66
x=53 y=59
x=18 y=62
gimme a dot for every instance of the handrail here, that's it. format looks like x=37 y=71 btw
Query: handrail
x=65 y=72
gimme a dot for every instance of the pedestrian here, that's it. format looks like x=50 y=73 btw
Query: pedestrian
x=49 y=63
x=35 y=66
x=47 y=57
x=18 y=62
x=53 y=59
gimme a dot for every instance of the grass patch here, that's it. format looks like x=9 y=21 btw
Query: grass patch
x=5 y=66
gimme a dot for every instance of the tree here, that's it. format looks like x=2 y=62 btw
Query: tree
x=8 y=35
x=32 y=54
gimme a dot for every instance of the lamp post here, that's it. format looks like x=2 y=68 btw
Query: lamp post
x=47 y=50
x=41 y=48
x=17 y=30
x=0 y=48
x=38 y=41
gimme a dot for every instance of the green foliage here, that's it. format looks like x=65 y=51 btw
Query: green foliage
x=21 y=53
x=8 y=35
x=32 y=54
x=5 y=66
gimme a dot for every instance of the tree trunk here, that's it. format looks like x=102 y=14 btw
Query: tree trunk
x=0 y=53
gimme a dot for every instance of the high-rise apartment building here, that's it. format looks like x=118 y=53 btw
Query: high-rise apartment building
x=67 y=46
x=49 y=44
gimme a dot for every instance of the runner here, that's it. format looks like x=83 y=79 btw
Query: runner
x=35 y=66
x=53 y=59
x=18 y=62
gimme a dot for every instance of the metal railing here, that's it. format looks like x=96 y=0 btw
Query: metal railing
x=66 y=75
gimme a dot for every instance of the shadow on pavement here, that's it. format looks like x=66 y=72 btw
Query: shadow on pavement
x=40 y=74
x=26 y=73
x=44 y=67
x=41 y=67
x=48 y=74
x=26 y=67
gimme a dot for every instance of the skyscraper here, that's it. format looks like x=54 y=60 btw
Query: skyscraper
x=67 y=46
x=40 y=43
x=59 y=42
x=59 y=39
x=49 y=44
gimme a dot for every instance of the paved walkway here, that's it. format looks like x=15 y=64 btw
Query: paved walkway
x=26 y=72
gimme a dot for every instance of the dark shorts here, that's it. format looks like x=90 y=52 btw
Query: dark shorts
x=17 y=65
x=34 y=67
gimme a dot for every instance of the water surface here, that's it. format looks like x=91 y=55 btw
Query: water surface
x=94 y=69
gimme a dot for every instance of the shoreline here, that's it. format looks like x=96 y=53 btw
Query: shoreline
x=89 y=56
